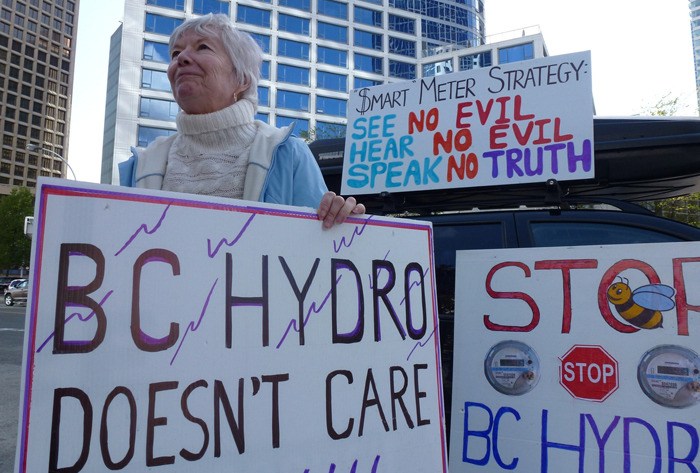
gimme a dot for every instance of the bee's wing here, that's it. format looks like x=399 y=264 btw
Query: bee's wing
x=654 y=297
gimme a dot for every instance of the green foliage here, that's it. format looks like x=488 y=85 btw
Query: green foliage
x=15 y=247
x=682 y=209
x=685 y=208
x=329 y=131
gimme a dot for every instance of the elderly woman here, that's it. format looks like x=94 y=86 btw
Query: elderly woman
x=219 y=148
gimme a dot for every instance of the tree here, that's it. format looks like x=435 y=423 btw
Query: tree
x=685 y=208
x=15 y=247
x=329 y=130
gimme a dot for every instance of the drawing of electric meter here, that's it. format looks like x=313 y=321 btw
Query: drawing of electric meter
x=670 y=376
x=512 y=368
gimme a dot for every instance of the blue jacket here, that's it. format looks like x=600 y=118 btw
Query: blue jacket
x=281 y=168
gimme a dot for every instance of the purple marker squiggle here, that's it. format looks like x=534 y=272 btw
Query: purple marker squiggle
x=73 y=315
x=414 y=284
x=144 y=228
x=194 y=326
x=224 y=241
x=357 y=231
x=420 y=344
x=313 y=308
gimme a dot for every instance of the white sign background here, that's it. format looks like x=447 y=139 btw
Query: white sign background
x=625 y=432
x=175 y=390
x=521 y=122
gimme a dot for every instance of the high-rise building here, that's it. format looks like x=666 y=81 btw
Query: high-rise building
x=37 y=60
x=695 y=28
x=315 y=51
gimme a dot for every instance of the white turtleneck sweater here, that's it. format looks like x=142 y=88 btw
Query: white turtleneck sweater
x=210 y=154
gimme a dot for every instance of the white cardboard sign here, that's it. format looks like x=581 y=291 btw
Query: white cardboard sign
x=577 y=359
x=192 y=333
x=514 y=123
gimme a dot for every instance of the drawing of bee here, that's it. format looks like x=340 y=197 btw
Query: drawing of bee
x=643 y=306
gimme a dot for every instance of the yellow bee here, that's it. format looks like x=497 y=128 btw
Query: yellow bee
x=643 y=306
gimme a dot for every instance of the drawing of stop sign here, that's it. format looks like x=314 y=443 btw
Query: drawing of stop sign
x=588 y=372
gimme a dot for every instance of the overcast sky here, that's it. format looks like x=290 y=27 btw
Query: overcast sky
x=641 y=51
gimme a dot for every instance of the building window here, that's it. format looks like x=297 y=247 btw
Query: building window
x=156 y=80
x=158 y=109
x=262 y=40
x=367 y=16
x=174 y=4
x=294 y=24
x=331 y=32
x=437 y=68
x=298 y=4
x=331 y=106
x=292 y=100
x=253 y=16
x=333 y=8
x=264 y=96
x=202 y=7
x=402 y=70
x=475 y=61
x=365 y=39
x=331 y=81
x=148 y=134
x=402 y=24
x=292 y=74
x=265 y=70
x=334 y=57
x=403 y=47
x=263 y=117
x=161 y=24
x=300 y=124
x=368 y=63
x=293 y=49
x=521 y=52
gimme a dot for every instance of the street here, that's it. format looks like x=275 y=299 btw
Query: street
x=11 y=340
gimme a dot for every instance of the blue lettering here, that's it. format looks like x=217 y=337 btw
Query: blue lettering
x=358 y=171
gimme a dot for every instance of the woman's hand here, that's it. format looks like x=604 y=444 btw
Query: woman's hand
x=334 y=209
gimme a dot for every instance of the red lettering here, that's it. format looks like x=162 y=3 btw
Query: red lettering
x=517 y=114
x=496 y=133
x=566 y=266
x=682 y=305
x=463 y=114
x=558 y=137
x=511 y=295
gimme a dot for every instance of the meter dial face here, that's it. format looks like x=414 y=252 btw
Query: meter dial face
x=670 y=375
x=512 y=368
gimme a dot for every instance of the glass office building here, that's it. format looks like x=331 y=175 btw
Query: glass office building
x=315 y=52
x=37 y=60
x=695 y=28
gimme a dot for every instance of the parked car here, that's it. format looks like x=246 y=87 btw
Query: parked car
x=17 y=293
x=637 y=160
x=5 y=281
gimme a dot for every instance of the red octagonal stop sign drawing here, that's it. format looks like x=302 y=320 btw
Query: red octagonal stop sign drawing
x=588 y=372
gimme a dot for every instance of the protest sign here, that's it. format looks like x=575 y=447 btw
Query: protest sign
x=195 y=333
x=577 y=359
x=513 y=123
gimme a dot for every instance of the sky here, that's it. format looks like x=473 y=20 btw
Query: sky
x=641 y=52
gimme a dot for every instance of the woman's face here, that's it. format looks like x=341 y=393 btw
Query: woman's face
x=201 y=74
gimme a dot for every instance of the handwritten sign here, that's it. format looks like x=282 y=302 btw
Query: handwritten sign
x=203 y=334
x=577 y=359
x=514 y=123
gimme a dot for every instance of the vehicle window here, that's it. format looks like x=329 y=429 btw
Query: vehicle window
x=449 y=239
x=590 y=233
